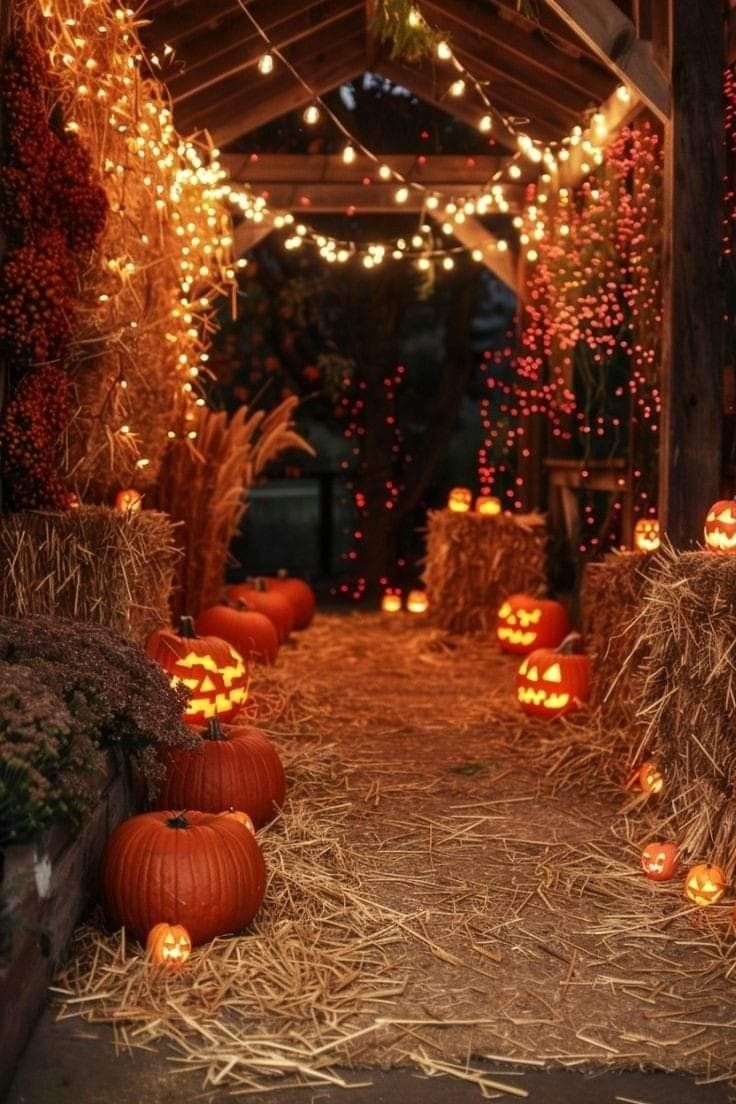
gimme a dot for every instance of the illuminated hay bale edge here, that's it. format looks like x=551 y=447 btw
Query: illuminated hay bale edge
x=687 y=700
x=610 y=601
x=91 y=564
x=474 y=562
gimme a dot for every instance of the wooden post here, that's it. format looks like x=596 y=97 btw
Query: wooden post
x=692 y=351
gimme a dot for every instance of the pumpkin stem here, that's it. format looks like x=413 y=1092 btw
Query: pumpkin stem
x=214 y=730
x=542 y=591
x=282 y=573
x=571 y=645
x=178 y=821
x=186 y=628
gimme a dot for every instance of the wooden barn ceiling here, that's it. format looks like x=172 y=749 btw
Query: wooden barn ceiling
x=539 y=70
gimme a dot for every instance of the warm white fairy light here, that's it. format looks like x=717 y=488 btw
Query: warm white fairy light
x=444 y=50
x=349 y=154
x=265 y=64
x=401 y=195
x=457 y=88
x=311 y=115
x=384 y=171
x=485 y=124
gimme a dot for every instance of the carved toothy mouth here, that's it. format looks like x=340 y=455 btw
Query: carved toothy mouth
x=716 y=538
x=516 y=636
x=529 y=696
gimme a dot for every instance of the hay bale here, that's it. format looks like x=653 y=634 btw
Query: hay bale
x=92 y=564
x=687 y=631
x=473 y=562
x=610 y=601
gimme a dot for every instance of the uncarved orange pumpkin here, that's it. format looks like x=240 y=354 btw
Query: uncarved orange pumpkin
x=195 y=869
x=298 y=593
x=213 y=672
x=276 y=607
x=233 y=765
x=251 y=633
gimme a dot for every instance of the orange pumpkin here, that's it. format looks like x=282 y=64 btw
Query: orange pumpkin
x=241 y=818
x=417 y=601
x=168 y=944
x=232 y=766
x=210 y=668
x=128 y=501
x=552 y=682
x=659 y=860
x=460 y=499
x=650 y=778
x=298 y=593
x=705 y=884
x=197 y=869
x=391 y=603
x=720 y=527
x=276 y=607
x=646 y=534
x=488 y=505
x=251 y=633
x=524 y=623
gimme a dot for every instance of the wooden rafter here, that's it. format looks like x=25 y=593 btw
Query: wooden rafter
x=473 y=235
x=611 y=34
x=443 y=170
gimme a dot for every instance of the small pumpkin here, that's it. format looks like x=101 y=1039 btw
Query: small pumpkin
x=525 y=622
x=417 y=601
x=233 y=766
x=705 y=884
x=720 y=527
x=659 y=860
x=275 y=606
x=128 y=501
x=651 y=779
x=199 y=870
x=646 y=534
x=241 y=818
x=488 y=505
x=298 y=593
x=460 y=499
x=168 y=944
x=552 y=682
x=251 y=633
x=210 y=668
x=391 y=602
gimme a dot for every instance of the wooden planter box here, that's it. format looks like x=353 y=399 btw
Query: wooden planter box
x=44 y=890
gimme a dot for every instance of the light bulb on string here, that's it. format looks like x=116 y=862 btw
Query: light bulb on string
x=448 y=264
x=311 y=115
x=265 y=64
x=485 y=124
x=457 y=88
x=401 y=195
x=444 y=52
x=384 y=171
x=349 y=154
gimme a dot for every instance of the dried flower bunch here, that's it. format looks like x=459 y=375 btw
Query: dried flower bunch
x=68 y=691
x=53 y=214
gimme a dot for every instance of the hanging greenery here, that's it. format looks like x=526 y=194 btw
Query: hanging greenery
x=401 y=24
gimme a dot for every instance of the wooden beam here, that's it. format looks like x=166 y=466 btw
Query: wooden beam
x=611 y=34
x=692 y=353
x=473 y=235
x=357 y=199
x=248 y=234
x=617 y=113
x=444 y=170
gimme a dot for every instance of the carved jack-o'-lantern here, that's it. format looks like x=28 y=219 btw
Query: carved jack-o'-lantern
x=460 y=500
x=210 y=668
x=704 y=884
x=525 y=623
x=417 y=601
x=391 y=603
x=553 y=682
x=650 y=778
x=128 y=501
x=488 y=505
x=659 y=860
x=168 y=944
x=646 y=534
x=720 y=527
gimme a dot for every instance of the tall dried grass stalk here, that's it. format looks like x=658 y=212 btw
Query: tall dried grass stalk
x=205 y=488
x=474 y=562
x=92 y=564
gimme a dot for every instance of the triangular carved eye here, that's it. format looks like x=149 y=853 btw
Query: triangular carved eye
x=207 y=683
x=553 y=673
x=533 y=674
x=505 y=610
x=727 y=515
x=524 y=667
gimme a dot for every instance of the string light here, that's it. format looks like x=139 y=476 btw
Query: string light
x=444 y=52
x=311 y=115
x=349 y=154
x=457 y=88
x=265 y=64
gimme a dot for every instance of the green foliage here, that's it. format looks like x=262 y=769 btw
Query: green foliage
x=401 y=24
x=68 y=692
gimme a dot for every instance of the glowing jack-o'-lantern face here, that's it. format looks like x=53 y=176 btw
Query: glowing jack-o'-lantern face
x=525 y=623
x=659 y=860
x=417 y=601
x=650 y=778
x=704 y=884
x=551 y=683
x=720 y=527
x=488 y=505
x=460 y=500
x=391 y=603
x=646 y=535
x=215 y=675
x=128 y=501
x=168 y=944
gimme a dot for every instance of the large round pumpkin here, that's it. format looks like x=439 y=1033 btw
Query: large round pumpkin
x=298 y=593
x=210 y=668
x=525 y=623
x=276 y=607
x=720 y=527
x=232 y=766
x=251 y=633
x=552 y=682
x=199 y=870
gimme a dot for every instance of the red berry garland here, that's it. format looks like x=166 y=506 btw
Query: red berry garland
x=53 y=215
